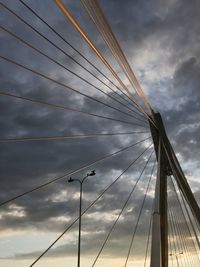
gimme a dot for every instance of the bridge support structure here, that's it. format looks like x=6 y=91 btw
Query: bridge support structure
x=168 y=164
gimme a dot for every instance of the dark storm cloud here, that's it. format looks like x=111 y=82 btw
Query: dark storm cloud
x=172 y=26
x=186 y=113
x=176 y=20
x=34 y=163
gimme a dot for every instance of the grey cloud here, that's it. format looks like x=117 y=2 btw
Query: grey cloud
x=25 y=165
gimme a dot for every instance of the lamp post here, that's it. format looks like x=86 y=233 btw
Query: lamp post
x=70 y=180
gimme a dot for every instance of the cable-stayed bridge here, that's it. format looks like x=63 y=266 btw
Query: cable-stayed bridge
x=163 y=233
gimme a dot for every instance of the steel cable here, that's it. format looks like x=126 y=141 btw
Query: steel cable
x=103 y=192
x=62 y=137
x=70 y=173
x=80 y=54
x=52 y=43
x=69 y=16
x=72 y=72
x=105 y=30
x=67 y=108
x=139 y=215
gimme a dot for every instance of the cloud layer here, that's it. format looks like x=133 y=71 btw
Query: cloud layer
x=161 y=43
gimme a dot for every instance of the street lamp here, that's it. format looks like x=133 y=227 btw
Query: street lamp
x=70 y=180
x=176 y=255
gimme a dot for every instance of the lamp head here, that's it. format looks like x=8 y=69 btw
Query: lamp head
x=70 y=180
x=92 y=173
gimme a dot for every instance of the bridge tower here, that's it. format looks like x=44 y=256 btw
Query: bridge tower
x=168 y=165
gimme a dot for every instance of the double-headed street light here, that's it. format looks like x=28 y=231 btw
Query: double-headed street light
x=176 y=255
x=70 y=180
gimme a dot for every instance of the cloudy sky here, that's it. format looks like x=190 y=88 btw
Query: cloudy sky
x=161 y=42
